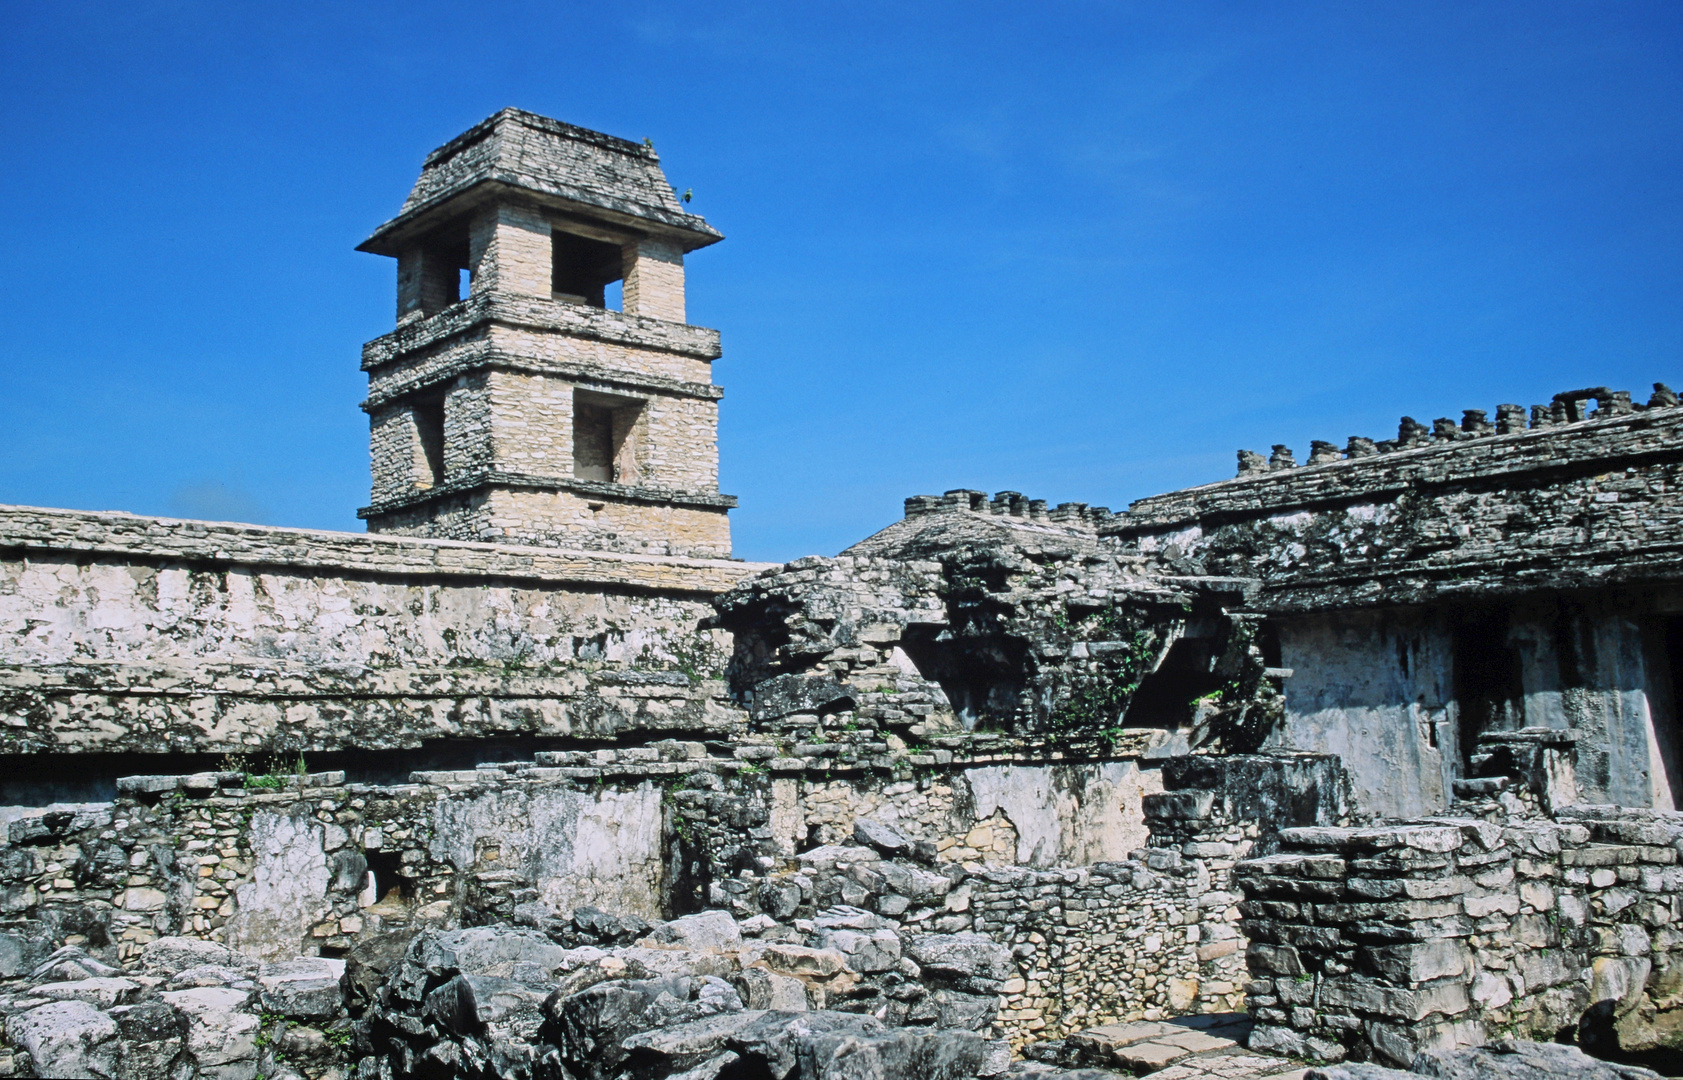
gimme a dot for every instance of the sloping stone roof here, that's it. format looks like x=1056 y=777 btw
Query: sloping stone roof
x=564 y=166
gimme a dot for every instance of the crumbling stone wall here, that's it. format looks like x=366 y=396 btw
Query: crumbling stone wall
x=277 y=866
x=1034 y=635
x=1395 y=576
x=1467 y=512
x=1385 y=940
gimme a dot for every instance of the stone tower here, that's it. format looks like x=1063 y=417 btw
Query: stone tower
x=529 y=411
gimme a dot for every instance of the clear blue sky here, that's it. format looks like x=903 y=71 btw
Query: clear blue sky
x=1082 y=251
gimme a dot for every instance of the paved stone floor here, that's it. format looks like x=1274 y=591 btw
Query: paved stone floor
x=1185 y=1048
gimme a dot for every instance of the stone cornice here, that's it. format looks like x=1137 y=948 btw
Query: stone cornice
x=393 y=388
x=538 y=313
x=1596 y=445
x=493 y=478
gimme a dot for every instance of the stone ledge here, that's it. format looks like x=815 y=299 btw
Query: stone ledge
x=490 y=478
x=31 y=530
x=398 y=386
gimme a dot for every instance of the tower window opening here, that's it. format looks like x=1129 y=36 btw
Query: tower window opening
x=464 y=283
x=583 y=268
x=442 y=279
x=429 y=432
x=593 y=442
x=604 y=437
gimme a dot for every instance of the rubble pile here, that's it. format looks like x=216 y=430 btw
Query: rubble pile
x=593 y=996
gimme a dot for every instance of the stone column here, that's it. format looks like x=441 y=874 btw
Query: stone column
x=426 y=283
x=654 y=280
x=510 y=251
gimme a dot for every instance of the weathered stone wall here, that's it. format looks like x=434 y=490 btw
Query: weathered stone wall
x=280 y=865
x=120 y=633
x=1378 y=688
x=1032 y=815
x=1479 y=577
x=1569 y=505
x=1381 y=941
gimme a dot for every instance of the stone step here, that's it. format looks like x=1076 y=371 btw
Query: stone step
x=1205 y=1047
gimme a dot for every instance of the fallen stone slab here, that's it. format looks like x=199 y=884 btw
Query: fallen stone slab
x=704 y=931
x=71 y=963
x=902 y=1054
x=773 y=1040
x=100 y=993
x=1144 y=1057
x=172 y=955
x=1514 y=1060
x=68 y=1039
x=963 y=955
x=221 y=1031
x=308 y=987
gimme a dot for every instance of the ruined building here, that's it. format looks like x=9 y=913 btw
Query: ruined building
x=1354 y=759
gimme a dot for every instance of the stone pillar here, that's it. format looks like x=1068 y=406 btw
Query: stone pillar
x=654 y=280
x=510 y=251
x=426 y=283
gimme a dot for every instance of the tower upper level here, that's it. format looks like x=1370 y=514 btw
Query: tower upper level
x=516 y=402
x=532 y=206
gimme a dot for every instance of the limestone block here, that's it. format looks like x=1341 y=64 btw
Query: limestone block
x=307 y=987
x=221 y=1032
x=103 y=993
x=1422 y=961
x=877 y=950
x=69 y=1039
x=1619 y=979
x=707 y=930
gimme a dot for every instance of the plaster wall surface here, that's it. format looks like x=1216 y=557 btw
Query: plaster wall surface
x=578 y=849
x=1374 y=688
x=1027 y=815
x=1067 y=815
x=272 y=913
x=1378 y=688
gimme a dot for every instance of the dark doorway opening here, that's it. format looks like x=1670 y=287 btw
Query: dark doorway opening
x=1489 y=687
